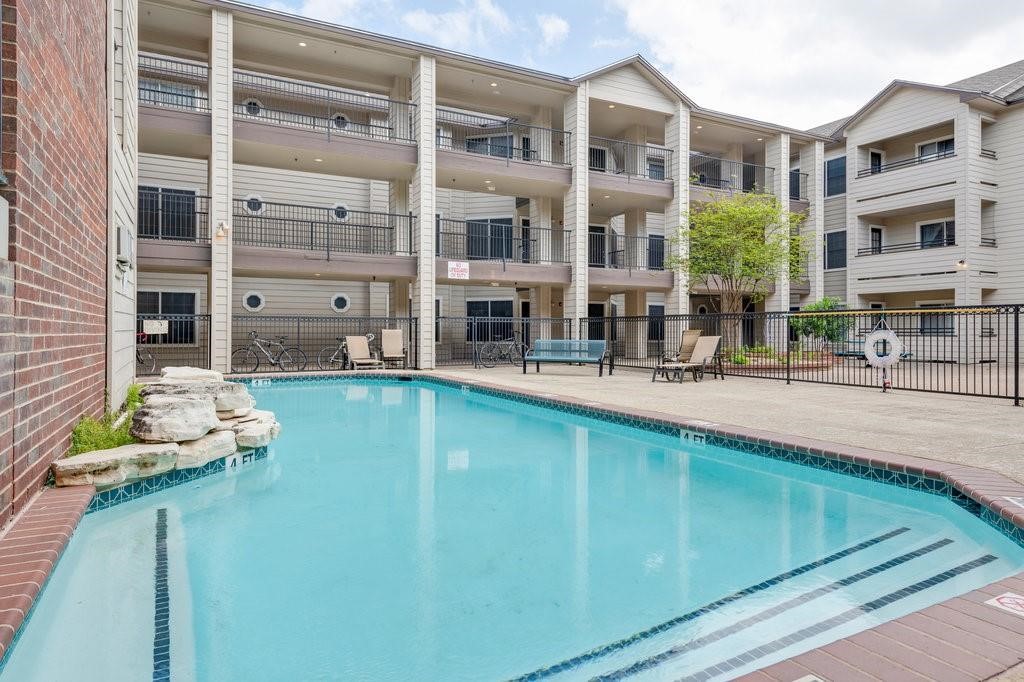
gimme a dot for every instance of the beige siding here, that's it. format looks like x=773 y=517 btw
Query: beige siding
x=905 y=111
x=835 y=213
x=301 y=296
x=835 y=284
x=165 y=281
x=630 y=86
x=173 y=171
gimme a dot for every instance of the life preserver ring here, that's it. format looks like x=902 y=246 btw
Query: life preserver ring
x=893 y=342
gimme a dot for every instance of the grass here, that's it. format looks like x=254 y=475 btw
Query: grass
x=91 y=433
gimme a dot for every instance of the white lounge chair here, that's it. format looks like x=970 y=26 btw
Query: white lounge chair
x=704 y=358
x=359 y=355
x=393 y=347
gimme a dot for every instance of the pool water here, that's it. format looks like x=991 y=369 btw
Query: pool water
x=406 y=530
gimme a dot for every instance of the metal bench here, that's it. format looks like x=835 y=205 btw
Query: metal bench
x=569 y=351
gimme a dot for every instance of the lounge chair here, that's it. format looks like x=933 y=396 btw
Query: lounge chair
x=704 y=358
x=359 y=356
x=686 y=343
x=393 y=347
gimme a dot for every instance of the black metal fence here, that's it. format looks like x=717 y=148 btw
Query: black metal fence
x=501 y=137
x=625 y=252
x=312 y=334
x=711 y=171
x=173 y=214
x=458 y=340
x=618 y=157
x=171 y=341
x=500 y=240
x=173 y=83
x=958 y=350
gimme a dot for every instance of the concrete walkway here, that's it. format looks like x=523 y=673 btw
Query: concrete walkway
x=980 y=432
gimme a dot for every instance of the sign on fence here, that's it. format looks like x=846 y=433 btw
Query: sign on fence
x=458 y=269
x=154 y=327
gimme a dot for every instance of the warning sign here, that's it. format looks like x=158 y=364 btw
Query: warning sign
x=1009 y=601
x=458 y=269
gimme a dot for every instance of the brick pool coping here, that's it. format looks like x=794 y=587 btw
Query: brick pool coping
x=962 y=638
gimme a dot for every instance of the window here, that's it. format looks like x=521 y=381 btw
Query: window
x=655 y=168
x=835 y=250
x=253 y=301
x=598 y=159
x=489 y=238
x=491 y=145
x=935 y=324
x=489 y=329
x=938 y=149
x=340 y=211
x=655 y=251
x=177 y=307
x=340 y=303
x=937 y=233
x=167 y=213
x=835 y=176
x=166 y=94
x=876 y=240
x=656 y=323
x=875 y=161
x=253 y=107
x=444 y=138
x=254 y=204
x=340 y=121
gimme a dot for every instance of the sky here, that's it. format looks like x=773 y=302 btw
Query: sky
x=792 y=62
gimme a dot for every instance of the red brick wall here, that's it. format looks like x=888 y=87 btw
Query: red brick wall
x=54 y=154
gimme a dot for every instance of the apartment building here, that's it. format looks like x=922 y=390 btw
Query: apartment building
x=291 y=167
x=923 y=195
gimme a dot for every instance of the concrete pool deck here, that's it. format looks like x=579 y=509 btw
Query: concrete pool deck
x=980 y=432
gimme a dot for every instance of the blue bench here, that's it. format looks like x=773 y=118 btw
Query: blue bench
x=569 y=351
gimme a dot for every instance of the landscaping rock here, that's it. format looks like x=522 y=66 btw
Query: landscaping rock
x=257 y=434
x=164 y=419
x=214 y=445
x=233 y=414
x=106 y=468
x=190 y=374
x=226 y=395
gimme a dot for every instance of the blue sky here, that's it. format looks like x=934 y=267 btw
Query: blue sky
x=793 y=62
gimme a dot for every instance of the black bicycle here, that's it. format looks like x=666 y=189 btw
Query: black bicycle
x=246 y=360
x=511 y=350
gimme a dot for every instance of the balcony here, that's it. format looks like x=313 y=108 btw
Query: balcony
x=500 y=240
x=502 y=138
x=173 y=229
x=798 y=186
x=876 y=167
x=617 y=157
x=173 y=83
x=623 y=252
x=878 y=248
x=729 y=176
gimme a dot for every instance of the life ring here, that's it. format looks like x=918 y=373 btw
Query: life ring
x=893 y=342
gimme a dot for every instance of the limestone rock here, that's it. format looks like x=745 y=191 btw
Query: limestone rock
x=226 y=395
x=106 y=468
x=233 y=414
x=190 y=374
x=164 y=418
x=214 y=445
x=257 y=434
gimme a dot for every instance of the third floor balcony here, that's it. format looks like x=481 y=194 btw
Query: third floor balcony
x=723 y=175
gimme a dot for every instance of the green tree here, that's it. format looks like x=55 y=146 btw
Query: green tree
x=739 y=245
x=822 y=329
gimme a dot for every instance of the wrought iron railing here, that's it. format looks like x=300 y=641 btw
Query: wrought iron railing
x=906 y=246
x=503 y=138
x=459 y=340
x=618 y=157
x=904 y=163
x=171 y=341
x=711 y=171
x=334 y=112
x=798 y=186
x=618 y=251
x=172 y=214
x=173 y=83
x=494 y=240
x=318 y=228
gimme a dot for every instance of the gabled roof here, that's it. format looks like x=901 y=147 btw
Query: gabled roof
x=646 y=68
x=1005 y=81
x=831 y=128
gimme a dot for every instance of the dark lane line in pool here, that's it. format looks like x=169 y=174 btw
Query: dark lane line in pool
x=844 y=617
x=162 y=605
x=618 y=645
x=722 y=633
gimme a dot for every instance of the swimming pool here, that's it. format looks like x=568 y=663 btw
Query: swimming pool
x=410 y=530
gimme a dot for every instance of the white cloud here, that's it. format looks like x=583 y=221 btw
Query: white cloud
x=332 y=11
x=805 y=62
x=553 y=30
x=475 y=23
x=605 y=43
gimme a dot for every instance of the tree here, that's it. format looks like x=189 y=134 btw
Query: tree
x=739 y=245
x=823 y=329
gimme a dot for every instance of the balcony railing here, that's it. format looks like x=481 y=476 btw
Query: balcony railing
x=904 y=163
x=317 y=228
x=500 y=241
x=332 y=111
x=623 y=252
x=619 y=157
x=711 y=171
x=173 y=83
x=798 y=185
x=906 y=246
x=503 y=138
x=174 y=215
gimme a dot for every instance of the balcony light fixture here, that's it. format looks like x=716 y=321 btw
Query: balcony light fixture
x=318 y=160
x=301 y=44
x=611 y=106
x=222 y=230
x=699 y=127
x=494 y=85
x=760 y=139
x=607 y=196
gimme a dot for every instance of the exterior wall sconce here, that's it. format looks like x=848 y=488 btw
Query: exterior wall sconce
x=222 y=230
x=961 y=264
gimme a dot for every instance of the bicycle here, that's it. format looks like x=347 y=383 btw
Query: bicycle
x=247 y=360
x=144 y=360
x=335 y=358
x=511 y=349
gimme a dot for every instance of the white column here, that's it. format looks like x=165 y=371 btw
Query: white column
x=812 y=162
x=577 y=200
x=543 y=249
x=967 y=136
x=399 y=298
x=422 y=196
x=777 y=157
x=398 y=190
x=853 y=299
x=677 y=138
x=220 y=183
x=541 y=309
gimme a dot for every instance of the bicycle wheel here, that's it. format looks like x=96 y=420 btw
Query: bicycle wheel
x=299 y=358
x=489 y=354
x=145 y=363
x=330 y=359
x=244 y=361
x=286 y=362
x=515 y=354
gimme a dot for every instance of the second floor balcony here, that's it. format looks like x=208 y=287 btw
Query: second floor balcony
x=798 y=186
x=501 y=138
x=618 y=157
x=499 y=239
x=716 y=173
x=624 y=252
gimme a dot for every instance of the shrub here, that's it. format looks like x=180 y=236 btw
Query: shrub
x=91 y=433
x=738 y=359
x=823 y=329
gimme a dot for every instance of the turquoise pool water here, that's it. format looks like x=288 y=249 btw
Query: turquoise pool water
x=409 y=531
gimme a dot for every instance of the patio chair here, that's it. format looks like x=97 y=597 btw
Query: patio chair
x=704 y=358
x=686 y=344
x=359 y=356
x=393 y=347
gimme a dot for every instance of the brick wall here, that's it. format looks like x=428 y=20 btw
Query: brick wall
x=53 y=292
